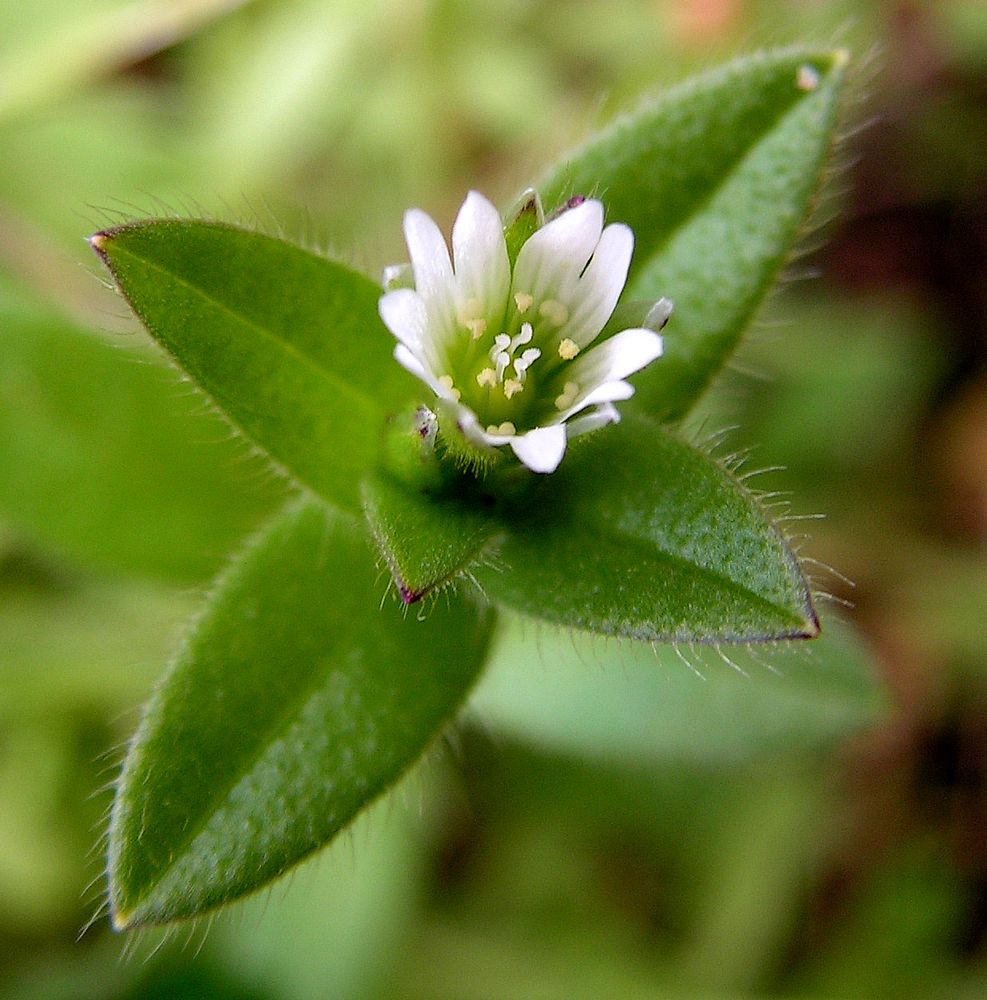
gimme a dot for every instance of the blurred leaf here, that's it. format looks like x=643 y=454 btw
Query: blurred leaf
x=632 y=702
x=859 y=400
x=295 y=701
x=715 y=177
x=288 y=344
x=107 y=459
x=81 y=42
x=82 y=645
x=333 y=931
x=641 y=535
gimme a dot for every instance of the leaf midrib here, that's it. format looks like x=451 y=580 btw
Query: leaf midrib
x=287 y=346
x=640 y=265
x=179 y=848
x=633 y=543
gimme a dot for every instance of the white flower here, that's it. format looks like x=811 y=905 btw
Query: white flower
x=509 y=355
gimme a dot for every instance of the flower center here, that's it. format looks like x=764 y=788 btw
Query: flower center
x=498 y=368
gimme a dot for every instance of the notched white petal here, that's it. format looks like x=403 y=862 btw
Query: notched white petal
x=600 y=286
x=551 y=261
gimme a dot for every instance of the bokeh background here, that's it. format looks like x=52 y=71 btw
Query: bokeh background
x=661 y=834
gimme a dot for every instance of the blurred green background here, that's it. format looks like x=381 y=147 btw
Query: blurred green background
x=608 y=821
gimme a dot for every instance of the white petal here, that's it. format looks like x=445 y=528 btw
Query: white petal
x=404 y=314
x=413 y=364
x=431 y=266
x=608 y=392
x=617 y=357
x=541 y=450
x=482 y=269
x=554 y=257
x=600 y=286
x=586 y=422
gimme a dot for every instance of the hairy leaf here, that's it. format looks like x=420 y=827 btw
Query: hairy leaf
x=288 y=344
x=715 y=177
x=294 y=702
x=639 y=534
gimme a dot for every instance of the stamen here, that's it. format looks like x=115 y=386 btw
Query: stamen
x=477 y=327
x=568 y=349
x=467 y=312
x=568 y=396
x=523 y=363
x=512 y=387
x=524 y=337
x=506 y=429
x=501 y=343
x=554 y=311
x=446 y=382
x=523 y=301
x=503 y=359
x=487 y=378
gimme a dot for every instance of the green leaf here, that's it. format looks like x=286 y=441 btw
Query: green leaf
x=631 y=702
x=641 y=535
x=289 y=345
x=425 y=540
x=294 y=702
x=715 y=177
x=110 y=462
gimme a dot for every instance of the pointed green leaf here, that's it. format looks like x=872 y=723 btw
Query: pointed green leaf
x=639 y=534
x=715 y=177
x=289 y=345
x=107 y=460
x=425 y=540
x=589 y=696
x=294 y=702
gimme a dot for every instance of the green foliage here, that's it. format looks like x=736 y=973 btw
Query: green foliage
x=291 y=705
x=137 y=475
x=297 y=698
x=425 y=541
x=715 y=178
x=286 y=343
x=600 y=699
x=640 y=535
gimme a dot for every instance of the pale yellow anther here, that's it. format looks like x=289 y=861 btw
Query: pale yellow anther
x=512 y=387
x=506 y=429
x=554 y=311
x=523 y=301
x=568 y=349
x=477 y=327
x=487 y=378
x=468 y=311
x=568 y=396
x=446 y=382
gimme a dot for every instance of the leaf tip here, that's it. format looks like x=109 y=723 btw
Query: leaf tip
x=98 y=242
x=811 y=629
x=409 y=595
x=121 y=920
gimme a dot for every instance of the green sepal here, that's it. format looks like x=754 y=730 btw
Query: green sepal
x=426 y=538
